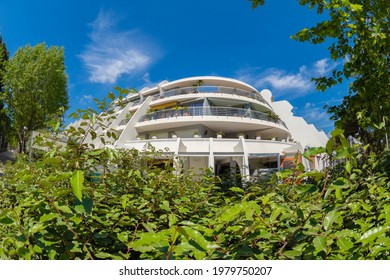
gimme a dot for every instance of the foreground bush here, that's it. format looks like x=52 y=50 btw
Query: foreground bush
x=82 y=203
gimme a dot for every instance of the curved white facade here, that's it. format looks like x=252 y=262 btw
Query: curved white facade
x=186 y=117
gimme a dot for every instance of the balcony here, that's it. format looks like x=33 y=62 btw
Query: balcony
x=210 y=111
x=211 y=89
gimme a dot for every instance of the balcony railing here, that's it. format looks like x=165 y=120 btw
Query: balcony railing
x=124 y=121
x=211 y=89
x=210 y=111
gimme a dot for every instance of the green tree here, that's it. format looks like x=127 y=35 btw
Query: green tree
x=35 y=87
x=358 y=31
x=5 y=124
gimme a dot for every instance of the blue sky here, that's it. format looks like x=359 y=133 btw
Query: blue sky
x=140 y=43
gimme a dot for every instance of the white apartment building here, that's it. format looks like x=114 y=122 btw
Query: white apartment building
x=214 y=122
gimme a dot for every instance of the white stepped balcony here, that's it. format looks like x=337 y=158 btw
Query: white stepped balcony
x=211 y=89
x=214 y=111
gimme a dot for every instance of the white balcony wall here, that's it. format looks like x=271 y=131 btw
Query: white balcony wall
x=227 y=146
x=195 y=145
x=159 y=144
x=265 y=146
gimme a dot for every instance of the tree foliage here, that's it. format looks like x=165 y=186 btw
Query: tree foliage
x=79 y=202
x=358 y=33
x=35 y=87
x=5 y=122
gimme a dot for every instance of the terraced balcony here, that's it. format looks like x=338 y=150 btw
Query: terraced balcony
x=211 y=89
x=214 y=111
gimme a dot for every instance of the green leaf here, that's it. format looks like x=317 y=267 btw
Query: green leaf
x=103 y=255
x=60 y=177
x=123 y=236
x=75 y=219
x=198 y=240
x=149 y=241
x=372 y=234
x=79 y=208
x=348 y=166
x=48 y=217
x=320 y=243
x=64 y=209
x=237 y=190
x=300 y=214
x=344 y=243
x=356 y=7
x=291 y=254
x=343 y=152
x=318 y=175
x=56 y=126
x=330 y=218
x=6 y=220
x=77 y=184
x=37 y=249
x=336 y=132
x=266 y=199
x=387 y=214
x=172 y=218
x=306 y=188
x=165 y=206
x=314 y=151
x=329 y=146
x=284 y=173
x=88 y=204
x=231 y=213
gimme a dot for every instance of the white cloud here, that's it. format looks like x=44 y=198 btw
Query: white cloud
x=86 y=99
x=284 y=82
x=111 y=53
x=324 y=66
x=316 y=115
x=280 y=80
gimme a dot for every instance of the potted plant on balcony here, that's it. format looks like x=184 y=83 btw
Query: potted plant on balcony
x=241 y=135
x=196 y=85
x=258 y=136
x=196 y=134
x=273 y=116
x=154 y=135
x=220 y=134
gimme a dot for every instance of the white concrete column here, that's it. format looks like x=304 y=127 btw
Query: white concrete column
x=211 y=154
x=130 y=133
x=245 y=161
x=161 y=91
x=176 y=161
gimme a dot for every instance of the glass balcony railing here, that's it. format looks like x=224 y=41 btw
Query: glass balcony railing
x=124 y=121
x=210 y=111
x=211 y=89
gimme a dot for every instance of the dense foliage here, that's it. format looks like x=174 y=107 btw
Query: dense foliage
x=35 y=88
x=357 y=32
x=75 y=202
x=5 y=122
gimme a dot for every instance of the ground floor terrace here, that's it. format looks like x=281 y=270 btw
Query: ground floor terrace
x=245 y=157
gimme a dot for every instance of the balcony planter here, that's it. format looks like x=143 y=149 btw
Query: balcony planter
x=196 y=134
x=241 y=135
x=196 y=85
x=220 y=134
x=258 y=136
x=154 y=136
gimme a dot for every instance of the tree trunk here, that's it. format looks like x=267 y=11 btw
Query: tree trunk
x=22 y=141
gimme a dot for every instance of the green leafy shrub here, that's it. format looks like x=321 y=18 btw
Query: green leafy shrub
x=83 y=202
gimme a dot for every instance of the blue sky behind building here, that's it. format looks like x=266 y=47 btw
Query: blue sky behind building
x=140 y=43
